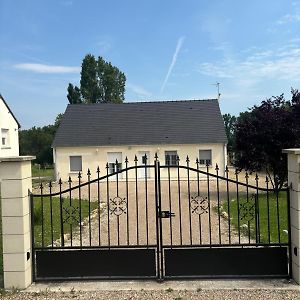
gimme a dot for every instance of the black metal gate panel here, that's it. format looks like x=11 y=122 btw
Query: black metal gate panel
x=161 y=222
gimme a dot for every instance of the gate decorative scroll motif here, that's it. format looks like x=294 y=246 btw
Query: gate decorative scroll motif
x=118 y=206
x=126 y=226
x=199 y=205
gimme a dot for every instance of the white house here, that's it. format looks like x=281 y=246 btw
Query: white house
x=92 y=135
x=9 y=134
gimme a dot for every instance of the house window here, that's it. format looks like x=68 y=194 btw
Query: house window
x=75 y=163
x=112 y=158
x=205 y=157
x=4 y=137
x=171 y=158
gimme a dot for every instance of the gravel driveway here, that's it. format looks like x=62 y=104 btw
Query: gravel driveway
x=161 y=295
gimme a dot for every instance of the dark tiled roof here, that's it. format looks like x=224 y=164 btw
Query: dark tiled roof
x=143 y=123
x=19 y=126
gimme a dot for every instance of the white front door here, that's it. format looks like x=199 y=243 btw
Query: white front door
x=143 y=172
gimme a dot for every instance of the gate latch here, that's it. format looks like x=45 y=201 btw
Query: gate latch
x=166 y=214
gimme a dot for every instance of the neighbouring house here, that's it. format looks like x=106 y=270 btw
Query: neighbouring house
x=92 y=135
x=9 y=131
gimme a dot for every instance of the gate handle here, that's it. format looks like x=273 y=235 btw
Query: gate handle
x=166 y=214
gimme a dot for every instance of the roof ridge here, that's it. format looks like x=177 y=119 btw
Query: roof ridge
x=154 y=101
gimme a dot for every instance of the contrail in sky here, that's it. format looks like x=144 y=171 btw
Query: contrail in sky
x=174 y=59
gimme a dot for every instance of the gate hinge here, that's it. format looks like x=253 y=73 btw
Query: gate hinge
x=166 y=214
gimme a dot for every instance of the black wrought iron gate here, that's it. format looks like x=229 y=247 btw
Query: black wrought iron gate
x=162 y=222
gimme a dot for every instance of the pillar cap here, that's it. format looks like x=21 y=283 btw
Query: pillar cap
x=292 y=151
x=17 y=158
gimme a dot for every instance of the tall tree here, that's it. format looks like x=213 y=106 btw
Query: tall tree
x=263 y=132
x=74 y=95
x=100 y=82
x=229 y=122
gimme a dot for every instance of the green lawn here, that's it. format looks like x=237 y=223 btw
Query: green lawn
x=56 y=217
x=42 y=172
x=263 y=221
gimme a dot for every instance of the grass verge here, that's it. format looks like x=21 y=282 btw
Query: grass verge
x=70 y=215
x=267 y=223
x=41 y=172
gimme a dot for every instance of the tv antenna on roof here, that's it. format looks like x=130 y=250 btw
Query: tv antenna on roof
x=217 y=85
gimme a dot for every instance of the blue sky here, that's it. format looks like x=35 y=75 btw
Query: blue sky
x=168 y=50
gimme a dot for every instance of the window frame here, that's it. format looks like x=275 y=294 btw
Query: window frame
x=112 y=166
x=205 y=159
x=5 y=137
x=171 y=158
x=75 y=171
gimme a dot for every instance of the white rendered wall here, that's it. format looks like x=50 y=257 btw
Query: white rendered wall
x=7 y=121
x=92 y=157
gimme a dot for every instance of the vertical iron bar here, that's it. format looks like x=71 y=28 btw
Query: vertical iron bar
x=278 y=214
x=218 y=195
x=208 y=199
x=179 y=199
x=79 y=196
x=199 y=215
x=89 y=195
x=247 y=176
x=228 y=203
x=117 y=176
x=61 y=215
x=189 y=196
x=170 y=204
x=99 y=212
x=157 y=215
x=107 y=193
x=51 y=212
x=70 y=196
x=257 y=233
x=127 y=218
x=42 y=208
x=118 y=220
x=136 y=201
x=268 y=206
x=146 y=191
x=238 y=203
x=160 y=222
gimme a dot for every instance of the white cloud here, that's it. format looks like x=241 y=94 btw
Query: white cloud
x=258 y=66
x=173 y=62
x=139 y=90
x=43 y=68
x=289 y=18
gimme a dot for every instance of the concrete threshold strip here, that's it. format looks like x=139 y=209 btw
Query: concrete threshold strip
x=190 y=285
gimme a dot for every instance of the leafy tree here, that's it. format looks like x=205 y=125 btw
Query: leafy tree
x=229 y=122
x=37 y=141
x=58 y=120
x=74 y=95
x=100 y=82
x=262 y=133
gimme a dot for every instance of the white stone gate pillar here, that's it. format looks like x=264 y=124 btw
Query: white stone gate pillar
x=294 y=184
x=15 y=178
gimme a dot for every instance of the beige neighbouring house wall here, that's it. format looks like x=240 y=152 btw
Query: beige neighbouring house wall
x=9 y=124
x=93 y=156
